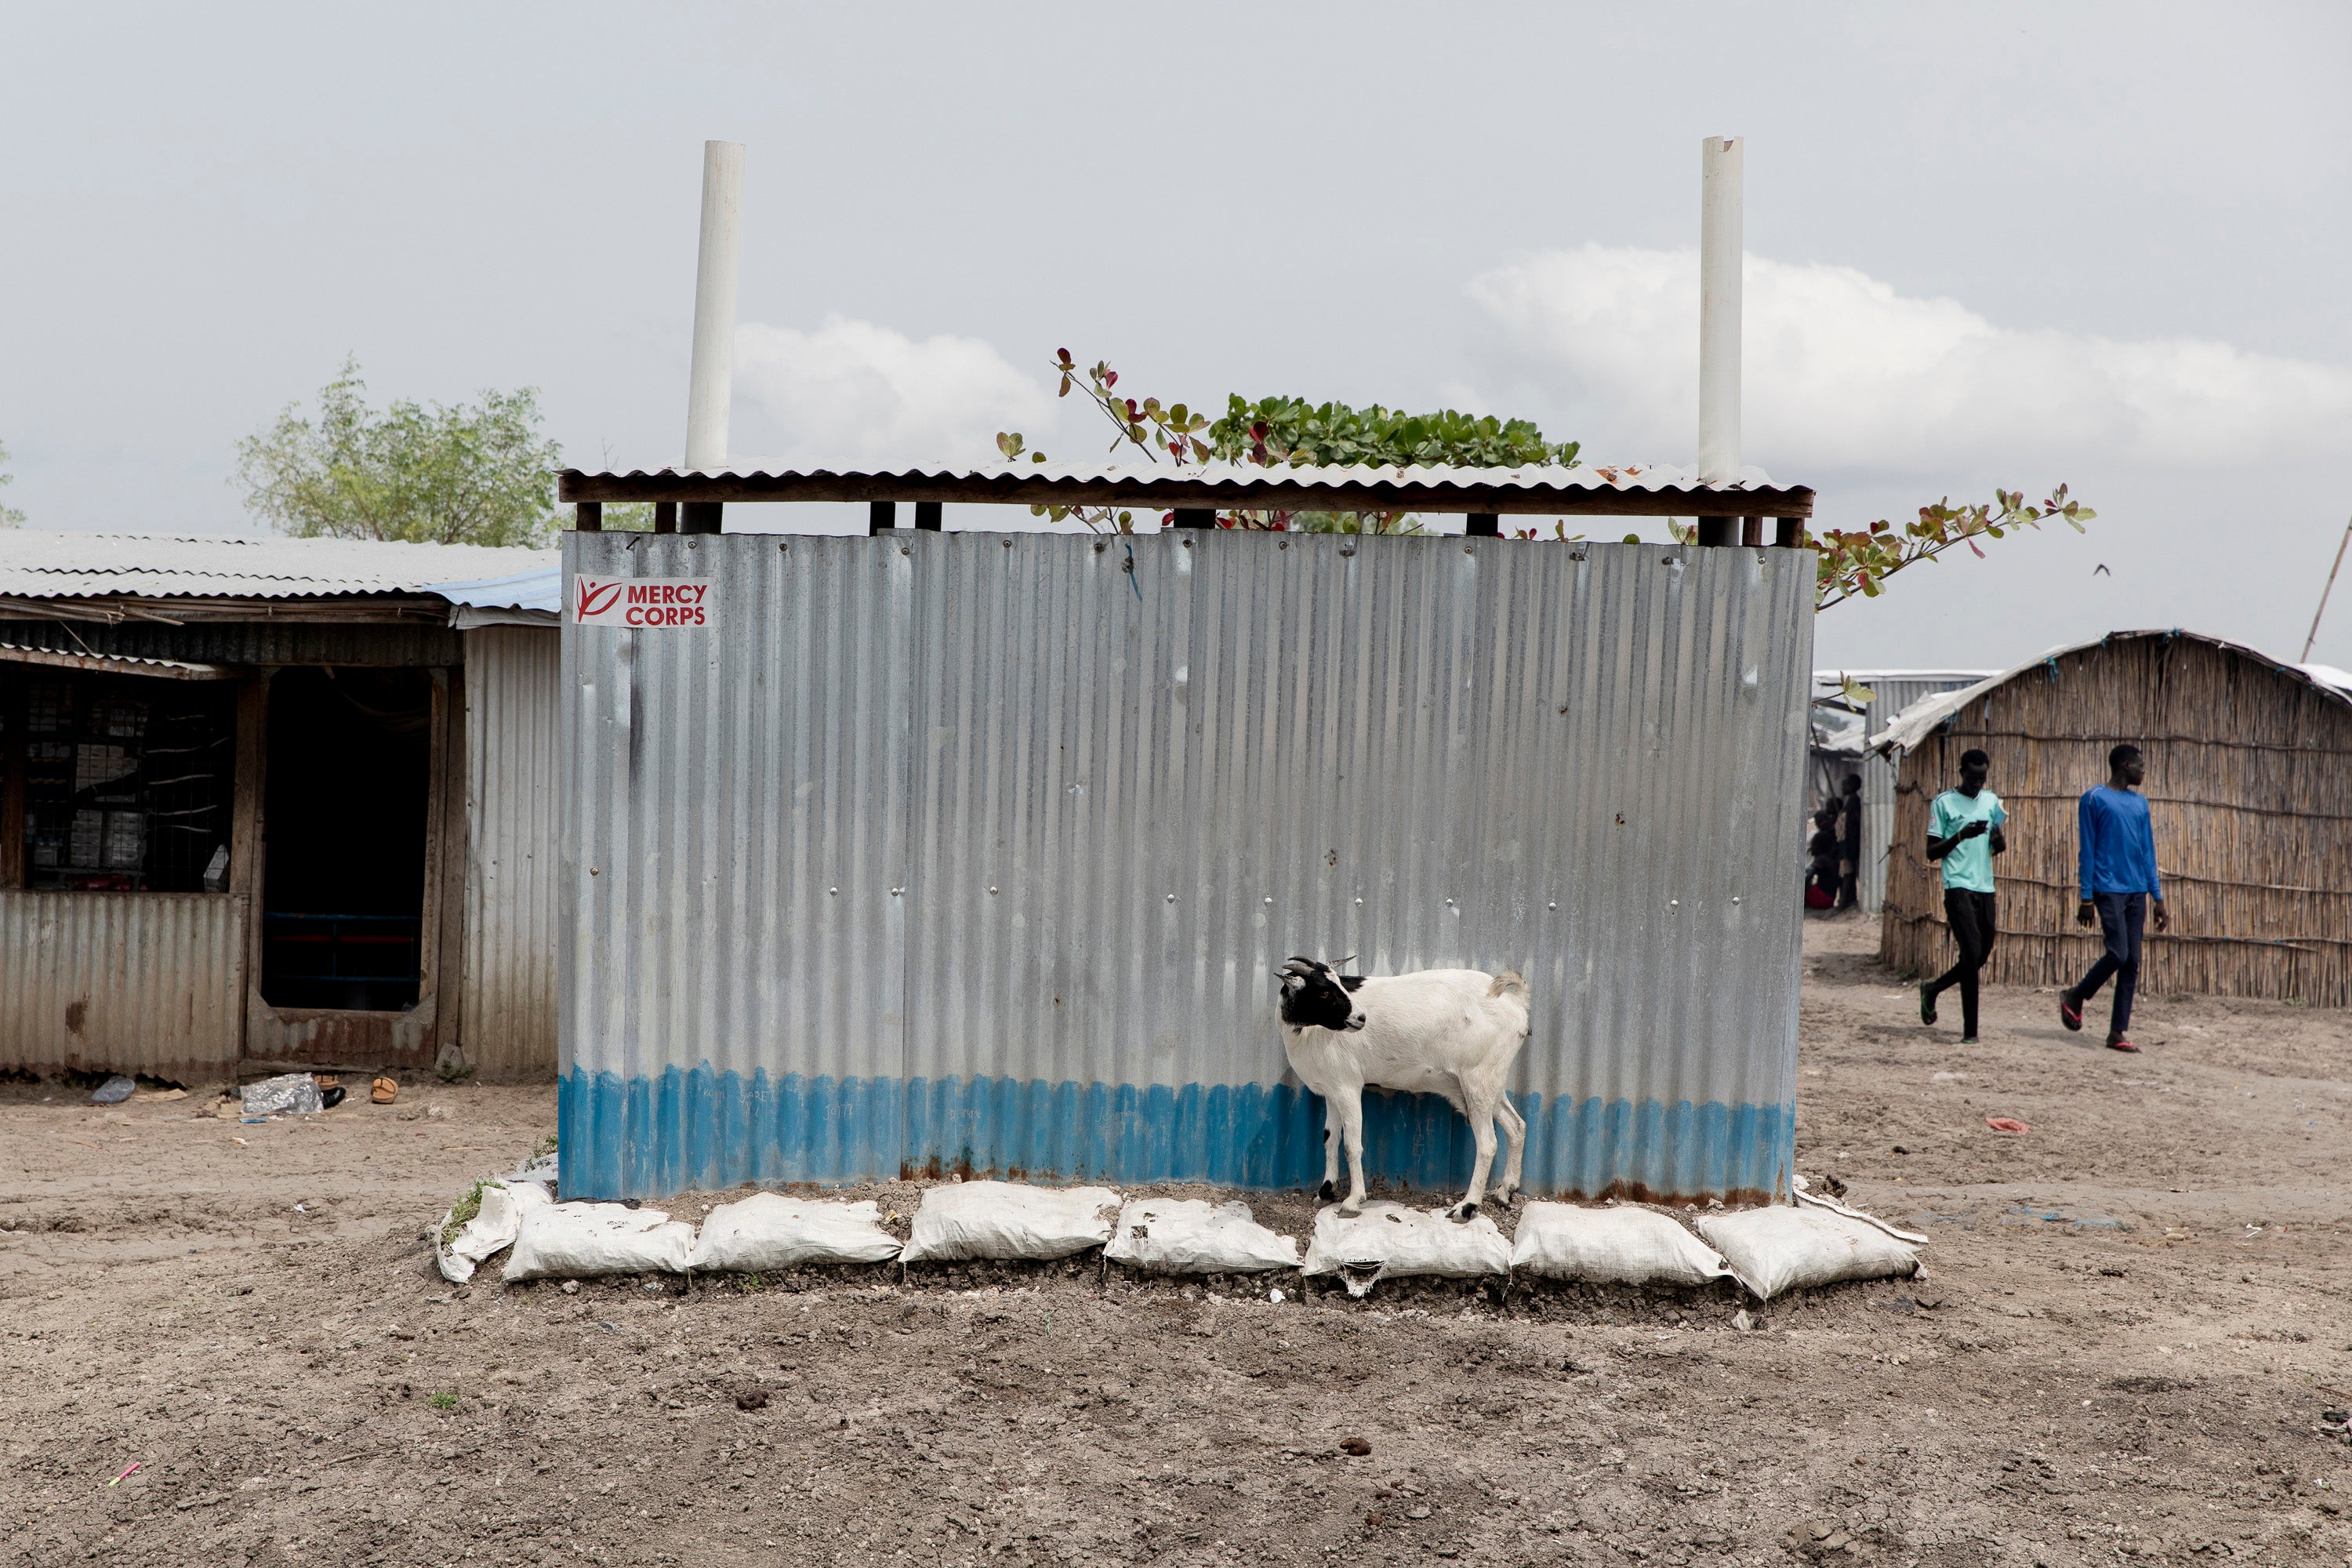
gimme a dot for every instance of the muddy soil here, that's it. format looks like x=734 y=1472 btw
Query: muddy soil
x=2134 y=1317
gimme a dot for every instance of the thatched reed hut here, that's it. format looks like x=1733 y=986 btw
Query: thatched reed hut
x=2250 y=780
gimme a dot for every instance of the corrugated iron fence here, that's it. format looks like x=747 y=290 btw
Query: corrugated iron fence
x=978 y=851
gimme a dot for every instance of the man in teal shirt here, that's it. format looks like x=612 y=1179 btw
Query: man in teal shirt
x=1964 y=832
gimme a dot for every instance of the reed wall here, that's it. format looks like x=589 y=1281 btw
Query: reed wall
x=2250 y=782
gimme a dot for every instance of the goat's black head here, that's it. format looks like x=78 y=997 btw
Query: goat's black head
x=1315 y=995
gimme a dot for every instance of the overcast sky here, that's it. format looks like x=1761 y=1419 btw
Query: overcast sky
x=1988 y=244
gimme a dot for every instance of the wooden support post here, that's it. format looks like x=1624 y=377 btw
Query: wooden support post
x=665 y=517
x=1752 y=530
x=880 y=515
x=1484 y=525
x=1718 y=531
x=589 y=517
x=1788 y=531
x=700 y=517
x=1196 y=517
x=926 y=516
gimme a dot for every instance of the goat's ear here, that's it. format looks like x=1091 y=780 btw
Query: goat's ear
x=1352 y=981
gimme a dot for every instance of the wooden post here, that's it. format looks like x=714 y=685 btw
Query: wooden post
x=589 y=517
x=699 y=517
x=1484 y=525
x=1788 y=531
x=1718 y=531
x=1196 y=517
x=12 y=778
x=1752 y=530
x=926 y=516
x=880 y=515
x=665 y=517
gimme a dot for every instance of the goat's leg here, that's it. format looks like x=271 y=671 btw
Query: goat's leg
x=1350 y=1101
x=1515 y=1128
x=1482 y=1128
x=1332 y=1141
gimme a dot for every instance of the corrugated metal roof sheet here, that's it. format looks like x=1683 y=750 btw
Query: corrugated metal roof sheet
x=52 y=565
x=1528 y=489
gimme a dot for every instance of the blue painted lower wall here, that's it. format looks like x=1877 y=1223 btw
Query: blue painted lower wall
x=651 y=1137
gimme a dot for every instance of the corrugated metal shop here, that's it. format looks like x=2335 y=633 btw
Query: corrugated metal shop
x=275 y=802
x=932 y=851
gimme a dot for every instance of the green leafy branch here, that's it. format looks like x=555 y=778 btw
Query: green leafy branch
x=1858 y=562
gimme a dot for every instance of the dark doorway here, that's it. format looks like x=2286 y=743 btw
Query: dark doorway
x=344 y=816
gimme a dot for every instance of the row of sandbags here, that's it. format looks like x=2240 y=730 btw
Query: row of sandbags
x=1765 y=1250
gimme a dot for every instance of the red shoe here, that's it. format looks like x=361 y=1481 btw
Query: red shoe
x=2117 y=1043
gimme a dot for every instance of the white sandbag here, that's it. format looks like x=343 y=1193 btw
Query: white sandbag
x=1392 y=1239
x=1623 y=1246
x=1005 y=1219
x=1789 y=1247
x=496 y=1223
x=1188 y=1236
x=578 y=1241
x=775 y=1230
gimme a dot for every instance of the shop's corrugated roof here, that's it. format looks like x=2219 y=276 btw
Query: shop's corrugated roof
x=1532 y=487
x=36 y=565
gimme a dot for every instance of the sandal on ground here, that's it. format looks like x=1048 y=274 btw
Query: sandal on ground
x=2070 y=1011
x=2117 y=1043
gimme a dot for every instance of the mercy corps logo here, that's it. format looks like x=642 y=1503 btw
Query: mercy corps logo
x=641 y=602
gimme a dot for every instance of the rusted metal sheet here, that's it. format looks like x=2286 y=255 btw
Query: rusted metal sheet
x=508 y=999
x=972 y=851
x=247 y=642
x=133 y=983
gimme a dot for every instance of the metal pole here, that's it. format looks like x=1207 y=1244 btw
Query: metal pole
x=2324 y=592
x=710 y=384
x=1721 y=171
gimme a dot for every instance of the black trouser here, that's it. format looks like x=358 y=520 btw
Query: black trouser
x=1972 y=917
x=2121 y=916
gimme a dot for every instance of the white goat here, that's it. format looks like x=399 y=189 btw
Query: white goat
x=1453 y=1032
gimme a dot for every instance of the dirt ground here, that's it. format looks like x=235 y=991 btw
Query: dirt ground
x=2135 y=1316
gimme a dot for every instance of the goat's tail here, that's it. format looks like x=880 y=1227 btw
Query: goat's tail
x=1507 y=983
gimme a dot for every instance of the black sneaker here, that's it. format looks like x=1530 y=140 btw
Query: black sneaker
x=1927 y=1005
x=2070 y=1011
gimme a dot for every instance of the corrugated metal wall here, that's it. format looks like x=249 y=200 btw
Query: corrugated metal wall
x=245 y=642
x=136 y=982
x=978 y=851
x=507 y=1019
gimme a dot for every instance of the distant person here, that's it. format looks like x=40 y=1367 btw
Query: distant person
x=1822 y=849
x=2117 y=856
x=1850 y=842
x=1964 y=832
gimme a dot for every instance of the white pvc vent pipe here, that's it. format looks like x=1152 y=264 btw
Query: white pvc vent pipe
x=1719 y=250
x=710 y=384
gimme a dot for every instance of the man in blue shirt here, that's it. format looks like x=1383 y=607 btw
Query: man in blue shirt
x=1964 y=832
x=2117 y=843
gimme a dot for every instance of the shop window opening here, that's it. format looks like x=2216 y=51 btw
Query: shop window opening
x=127 y=783
x=345 y=814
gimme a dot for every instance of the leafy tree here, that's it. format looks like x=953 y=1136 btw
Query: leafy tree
x=468 y=474
x=1289 y=431
x=10 y=517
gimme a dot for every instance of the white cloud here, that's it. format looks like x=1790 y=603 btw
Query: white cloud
x=852 y=392
x=1843 y=372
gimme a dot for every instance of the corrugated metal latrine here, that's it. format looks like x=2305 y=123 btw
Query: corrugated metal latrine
x=135 y=982
x=507 y=1021
x=979 y=852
